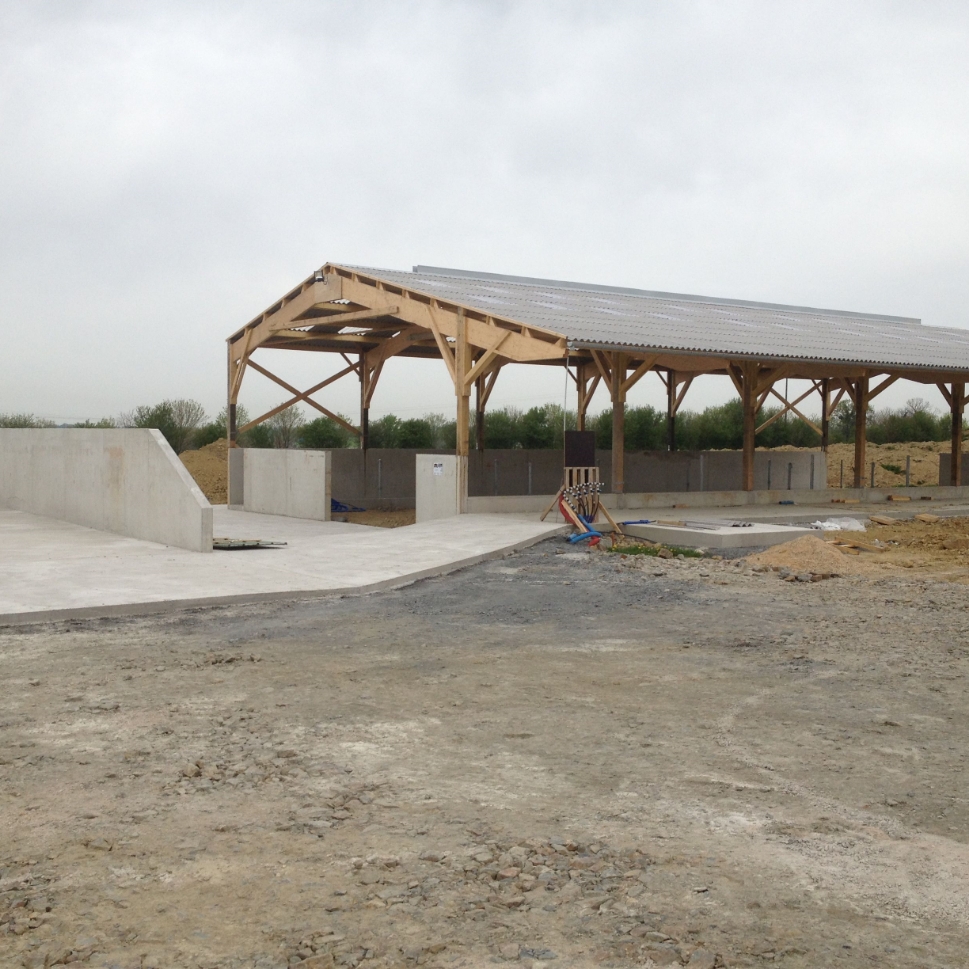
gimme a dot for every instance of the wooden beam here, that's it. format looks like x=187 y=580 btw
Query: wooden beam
x=600 y=362
x=791 y=407
x=682 y=394
x=241 y=362
x=298 y=396
x=524 y=345
x=392 y=346
x=484 y=361
x=446 y=353
x=884 y=385
x=639 y=372
x=489 y=385
x=788 y=406
x=344 y=319
x=311 y=292
x=945 y=393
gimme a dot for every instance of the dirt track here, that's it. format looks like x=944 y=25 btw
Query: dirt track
x=575 y=756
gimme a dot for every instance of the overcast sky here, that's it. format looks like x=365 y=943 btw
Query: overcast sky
x=167 y=170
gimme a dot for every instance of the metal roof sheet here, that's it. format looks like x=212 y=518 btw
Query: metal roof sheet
x=618 y=318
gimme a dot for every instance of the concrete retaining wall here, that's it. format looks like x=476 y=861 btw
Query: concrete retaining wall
x=945 y=467
x=287 y=482
x=122 y=480
x=519 y=472
x=385 y=477
x=636 y=501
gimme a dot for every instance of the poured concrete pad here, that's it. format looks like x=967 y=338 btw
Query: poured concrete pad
x=52 y=569
x=700 y=533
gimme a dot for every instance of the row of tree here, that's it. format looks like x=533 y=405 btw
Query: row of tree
x=185 y=425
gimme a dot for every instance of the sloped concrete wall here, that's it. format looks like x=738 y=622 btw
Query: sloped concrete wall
x=122 y=480
x=287 y=482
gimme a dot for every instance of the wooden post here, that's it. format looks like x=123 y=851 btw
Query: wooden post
x=581 y=402
x=230 y=402
x=479 y=414
x=825 y=401
x=618 y=423
x=462 y=365
x=861 y=421
x=958 y=405
x=749 y=400
x=670 y=410
x=364 y=410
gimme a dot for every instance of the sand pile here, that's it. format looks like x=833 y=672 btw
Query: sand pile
x=889 y=462
x=209 y=467
x=809 y=554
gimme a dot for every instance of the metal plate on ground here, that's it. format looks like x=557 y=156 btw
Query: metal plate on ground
x=240 y=544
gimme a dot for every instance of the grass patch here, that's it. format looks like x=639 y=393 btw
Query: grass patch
x=894 y=468
x=654 y=550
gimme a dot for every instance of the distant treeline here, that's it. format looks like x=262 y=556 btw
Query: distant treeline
x=185 y=425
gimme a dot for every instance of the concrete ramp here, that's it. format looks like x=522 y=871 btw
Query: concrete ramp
x=123 y=480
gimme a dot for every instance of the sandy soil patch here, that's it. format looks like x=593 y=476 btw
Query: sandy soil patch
x=209 y=466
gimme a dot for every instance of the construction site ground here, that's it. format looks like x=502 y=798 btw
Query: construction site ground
x=561 y=758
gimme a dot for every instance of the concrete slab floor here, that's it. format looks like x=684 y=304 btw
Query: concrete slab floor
x=697 y=533
x=51 y=569
x=798 y=514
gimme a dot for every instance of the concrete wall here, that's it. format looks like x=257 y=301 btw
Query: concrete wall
x=635 y=502
x=123 y=480
x=436 y=480
x=290 y=482
x=945 y=467
x=519 y=472
x=385 y=477
x=237 y=470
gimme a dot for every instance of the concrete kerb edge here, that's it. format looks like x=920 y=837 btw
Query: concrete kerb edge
x=178 y=605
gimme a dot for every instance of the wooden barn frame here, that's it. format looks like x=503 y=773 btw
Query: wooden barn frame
x=367 y=316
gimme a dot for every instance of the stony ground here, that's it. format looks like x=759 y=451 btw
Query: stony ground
x=564 y=759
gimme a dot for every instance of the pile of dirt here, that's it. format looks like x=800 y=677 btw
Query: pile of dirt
x=381 y=519
x=209 y=467
x=889 y=463
x=809 y=554
x=940 y=547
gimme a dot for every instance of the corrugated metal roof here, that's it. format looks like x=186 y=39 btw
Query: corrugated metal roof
x=618 y=318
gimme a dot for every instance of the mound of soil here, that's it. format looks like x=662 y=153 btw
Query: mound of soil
x=809 y=554
x=889 y=462
x=209 y=467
